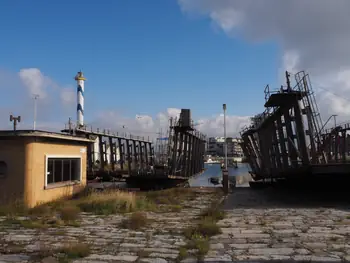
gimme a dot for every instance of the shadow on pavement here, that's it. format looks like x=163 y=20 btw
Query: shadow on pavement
x=282 y=197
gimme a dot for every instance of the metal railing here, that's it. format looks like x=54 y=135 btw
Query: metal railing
x=71 y=127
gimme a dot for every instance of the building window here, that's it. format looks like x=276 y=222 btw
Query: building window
x=63 y=170
x=3 y=169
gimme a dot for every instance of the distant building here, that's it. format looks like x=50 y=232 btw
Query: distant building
x=215 y=147
x=38 y=167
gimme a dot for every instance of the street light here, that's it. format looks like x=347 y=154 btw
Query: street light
x=224 y=108
x=225 y=171
x=35 y=97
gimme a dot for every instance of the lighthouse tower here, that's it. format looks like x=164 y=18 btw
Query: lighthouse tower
x=80 y=98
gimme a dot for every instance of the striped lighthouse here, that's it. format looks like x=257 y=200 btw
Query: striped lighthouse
x=80 y=98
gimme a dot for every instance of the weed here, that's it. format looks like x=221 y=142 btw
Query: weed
x=173 y=196
x=74 y=251
x=14 y=208
x=143 y=204
x=175 y=208
x=213 y=212
x=42 y=210
x=198 y=235
x=69 y=213
x=58 y=233
x=206 y=228
x=200 y=244
x=64 y=254
x=136 y=221
x=262 y=221
x=24 y=223
x=108 y=202
x=182 y=253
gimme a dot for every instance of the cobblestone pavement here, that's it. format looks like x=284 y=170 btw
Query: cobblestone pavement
x=160 y=243
x=260 y=225
x=275 y=225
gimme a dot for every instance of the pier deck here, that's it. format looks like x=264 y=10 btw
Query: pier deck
x=133 y=157
x=288 y=139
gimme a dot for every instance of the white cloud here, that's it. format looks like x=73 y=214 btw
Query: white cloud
x=68 y=96
x=35 y=81
x=19 y=88
x=145 y=125
x=50 y=109
x=215 y=126
x=314 y=36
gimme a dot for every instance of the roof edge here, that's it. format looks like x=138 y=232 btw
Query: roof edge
x=44 y=134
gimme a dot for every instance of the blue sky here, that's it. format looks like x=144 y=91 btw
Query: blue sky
x=140 y=57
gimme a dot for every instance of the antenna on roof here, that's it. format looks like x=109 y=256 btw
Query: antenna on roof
x=15 y=120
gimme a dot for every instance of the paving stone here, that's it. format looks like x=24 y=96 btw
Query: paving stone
x=251 y=257
x=236 y=252
x=163 y=255
x=221 y=258
x=153 y=260
x=325 y=259
x=315 y=245
x=252 y=231
x=180 y=243
x=281 y=225
x=217 y=246
x=247 y=246
x=253 y=236
x=132 y=245
x=318 y=234
x=111 y=257
x=49 y=260
x=14 y=238
x=280 y=257
x=89 y=261
x=189 y=260
x=14 y=258
x=302 y=251
x=161 y=250
x=271 y=251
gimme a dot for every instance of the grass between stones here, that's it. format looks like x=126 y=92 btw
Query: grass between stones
x=198 y=235
x=67 y=211
x=135 y=221
x=65 y=254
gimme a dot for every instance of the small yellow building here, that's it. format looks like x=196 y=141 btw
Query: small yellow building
x=38 y=166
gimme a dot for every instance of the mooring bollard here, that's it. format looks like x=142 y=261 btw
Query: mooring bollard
x=225 y=180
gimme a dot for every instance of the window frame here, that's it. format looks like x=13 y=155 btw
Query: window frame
x=60 y=184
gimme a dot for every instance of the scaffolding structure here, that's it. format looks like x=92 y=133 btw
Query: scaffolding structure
x=288 y=138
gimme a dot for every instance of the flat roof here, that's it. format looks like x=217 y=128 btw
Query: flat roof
x=43 y=134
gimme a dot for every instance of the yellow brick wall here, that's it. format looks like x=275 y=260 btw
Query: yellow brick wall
x=35 y=169
x=12 y=152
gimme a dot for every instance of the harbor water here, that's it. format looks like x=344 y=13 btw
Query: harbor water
x=203 y=180
x=241 y=173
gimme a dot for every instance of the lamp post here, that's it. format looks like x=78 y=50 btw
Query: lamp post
x=225 y=171
x=225 y=145
x=35 y=97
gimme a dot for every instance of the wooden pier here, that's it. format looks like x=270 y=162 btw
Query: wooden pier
x=133 y=158
x=288 y=140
